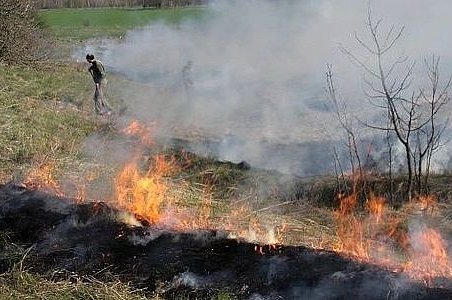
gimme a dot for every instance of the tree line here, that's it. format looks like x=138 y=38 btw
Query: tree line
x=115 y=3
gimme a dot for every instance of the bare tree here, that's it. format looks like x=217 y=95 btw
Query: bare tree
x=429 y=136
x=389 y=88
x=347 y=125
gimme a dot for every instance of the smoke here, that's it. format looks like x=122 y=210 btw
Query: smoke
x=249 y=76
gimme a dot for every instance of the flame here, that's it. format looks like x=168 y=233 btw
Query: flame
x=347 y=204
x=352 y=240
x=378 y=237
x=81 y=195
x=397 y=232
x=138 y=129
x=429 y=257
x=376 y=205
x=371 y=233
x=143 y=193
x=350 y=229
x=193 y=218
x=427 y=203
x=147 y=194
x=42 y=177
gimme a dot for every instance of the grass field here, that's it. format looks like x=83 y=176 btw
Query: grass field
x=82 y=24
x=47 y=114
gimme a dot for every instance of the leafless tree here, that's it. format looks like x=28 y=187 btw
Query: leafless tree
x=428 y=137
x=411 y=113
x=352 y=141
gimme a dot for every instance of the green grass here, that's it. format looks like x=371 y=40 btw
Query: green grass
x=45 y=115
x=82 y=24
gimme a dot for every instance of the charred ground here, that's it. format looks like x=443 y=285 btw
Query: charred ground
x=90 y=239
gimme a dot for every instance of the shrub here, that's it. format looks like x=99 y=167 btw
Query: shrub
x=22 y=40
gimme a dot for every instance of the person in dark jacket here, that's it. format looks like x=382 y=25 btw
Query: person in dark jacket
x=97 y=71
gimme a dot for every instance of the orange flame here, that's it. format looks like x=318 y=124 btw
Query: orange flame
x=140 y=130
x=347 y=204
x=425 y=249
x=42 y=177
x=375 y=206
x=350 y=229
x=427 y=203
x=429 y=255
x=143 y=194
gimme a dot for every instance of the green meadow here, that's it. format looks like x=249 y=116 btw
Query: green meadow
x=82 y=24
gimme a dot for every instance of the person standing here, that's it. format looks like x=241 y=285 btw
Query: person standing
x=97 y=71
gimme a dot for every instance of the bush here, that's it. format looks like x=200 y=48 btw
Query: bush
x=22 y=40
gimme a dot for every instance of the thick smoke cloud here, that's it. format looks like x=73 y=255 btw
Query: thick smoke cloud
x=251 y=75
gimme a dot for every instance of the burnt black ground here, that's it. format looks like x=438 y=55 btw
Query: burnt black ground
x=90 y=239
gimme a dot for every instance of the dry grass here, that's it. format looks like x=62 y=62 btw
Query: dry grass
x=44 y=116
x=19 y=284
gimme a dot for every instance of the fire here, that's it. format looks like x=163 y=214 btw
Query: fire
x=81 y=195
x=370 y=232
x=147 y=194
x=397 y=232
x=429 y=255
x=376 y=206
x=377 y=237
x=347 y=204
x=140 y=130
x=350 y=229
x=143 y=193
x=427 y=203
x=186 y=218
x=352 y=240
x=42 y=177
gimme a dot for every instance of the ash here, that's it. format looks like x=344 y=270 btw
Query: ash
x=93 y=238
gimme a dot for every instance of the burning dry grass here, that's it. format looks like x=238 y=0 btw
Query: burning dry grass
x=179 y=191
x=396 y=239
x=378 y=234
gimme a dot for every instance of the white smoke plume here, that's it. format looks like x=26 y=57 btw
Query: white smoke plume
x=250 y=75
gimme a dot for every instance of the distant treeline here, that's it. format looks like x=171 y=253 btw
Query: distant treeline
x=115 y=3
